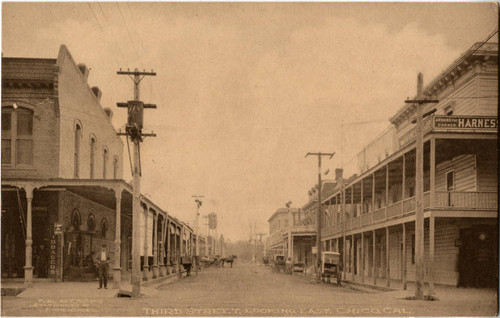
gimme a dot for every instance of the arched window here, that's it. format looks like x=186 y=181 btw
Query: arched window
x=78 y=137
x=105 y=155
x=104 y=227
x=115 y=167
x=91 y=222
x=76 y=219
x=17 y=136
x=92 y=156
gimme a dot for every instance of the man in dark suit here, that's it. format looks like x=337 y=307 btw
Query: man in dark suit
x=103 y=260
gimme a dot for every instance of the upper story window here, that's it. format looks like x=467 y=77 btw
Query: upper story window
x=115 y=167
x=450 y=180
x=78 y=137
x=92 y=156
x=105 y=155
x=17 y=136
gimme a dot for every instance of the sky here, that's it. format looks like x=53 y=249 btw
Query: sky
x=245 y=90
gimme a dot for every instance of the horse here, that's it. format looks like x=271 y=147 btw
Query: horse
x=229 y=259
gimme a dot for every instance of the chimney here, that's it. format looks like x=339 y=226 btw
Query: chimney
x=85 y=71
x=339 y=174
x=97 y=92
x=108 y=112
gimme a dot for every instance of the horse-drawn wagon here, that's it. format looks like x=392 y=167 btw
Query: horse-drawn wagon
x=330 y=266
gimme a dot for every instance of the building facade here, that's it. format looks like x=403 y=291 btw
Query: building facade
x=63 y=197
x=376 y=209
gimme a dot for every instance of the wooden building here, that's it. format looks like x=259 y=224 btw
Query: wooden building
x=460 y=187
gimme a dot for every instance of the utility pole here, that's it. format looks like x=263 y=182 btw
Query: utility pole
x=419 y=188
x=318 y=223
x=206 y=235
x=260 y=240
x=133 y=130
x=197 y=233
x=288 y=205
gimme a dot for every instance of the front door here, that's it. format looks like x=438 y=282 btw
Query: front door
x=478 y=257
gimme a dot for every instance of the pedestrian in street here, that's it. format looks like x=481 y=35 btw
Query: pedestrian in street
x=103 y=260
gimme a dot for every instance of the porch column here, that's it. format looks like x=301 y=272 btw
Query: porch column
x=155 y=246
x=387 y=258
x=431 y=254
x=175 y=252
x=352 y=201
x=362 y=267
x=403 y=263
x=162 y=248
x=432 y=188
x=167 y=230
x=362 y=200
x=374 y=264
x=145 y=268
x=28 y=268
x=373 y=194
x=404 y=181
x=117 y=271
x=386 y=186
x=352 y=256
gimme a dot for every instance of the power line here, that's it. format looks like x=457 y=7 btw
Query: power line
x=128 y=32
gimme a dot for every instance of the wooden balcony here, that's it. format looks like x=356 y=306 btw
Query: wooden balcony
x=466 y=200
x=443 y=199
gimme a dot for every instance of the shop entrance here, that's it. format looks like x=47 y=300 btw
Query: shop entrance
x=13 y=235
x=478 y=257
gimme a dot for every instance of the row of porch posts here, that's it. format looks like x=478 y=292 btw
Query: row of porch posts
x=334 y=244
x=158 y=266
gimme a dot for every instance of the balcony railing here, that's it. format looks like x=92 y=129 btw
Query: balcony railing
x=463 y=199
x=443 y=199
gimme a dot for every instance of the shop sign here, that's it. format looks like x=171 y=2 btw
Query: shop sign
x=53 y=253
x=57 y=228
x=314 y=250
x=466 y=122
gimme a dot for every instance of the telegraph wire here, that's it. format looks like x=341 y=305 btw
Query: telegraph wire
x=128 y=32
x=102 y=31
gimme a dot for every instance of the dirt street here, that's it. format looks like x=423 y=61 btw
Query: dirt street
x=249 y=290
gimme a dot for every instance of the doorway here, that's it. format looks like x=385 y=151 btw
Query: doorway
x=478 y=257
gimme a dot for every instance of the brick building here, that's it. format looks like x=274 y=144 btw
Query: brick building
x=63 y=196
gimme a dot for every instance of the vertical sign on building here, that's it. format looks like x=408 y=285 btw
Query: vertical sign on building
x=56 y=248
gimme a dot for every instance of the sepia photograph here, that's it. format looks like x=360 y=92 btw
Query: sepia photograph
x=249 y=159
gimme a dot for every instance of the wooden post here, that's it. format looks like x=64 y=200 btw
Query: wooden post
x=362 y=257
x=403 y=263
x=352 y=256
x=145 y=267
x=403 y=187
x=386 y=186
x=431 y=254
x=117 y=268
x=155 y=246
x=374 y=259
x=432 y=188
x=161 y=246
x=387 y=258
x=28 y=268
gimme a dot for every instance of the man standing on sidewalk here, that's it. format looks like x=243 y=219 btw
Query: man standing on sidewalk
x=103 y=267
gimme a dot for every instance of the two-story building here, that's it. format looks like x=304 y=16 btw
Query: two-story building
x=63 y=197
x=460 y=180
